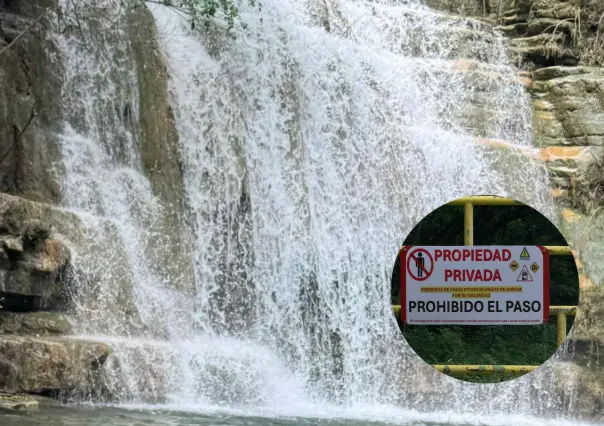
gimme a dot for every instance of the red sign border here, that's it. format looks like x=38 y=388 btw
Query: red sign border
x=403 y=280
x=546 y=278
x=403 y=290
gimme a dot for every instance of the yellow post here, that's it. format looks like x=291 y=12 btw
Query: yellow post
x=566 y=310
x=468 y=224
x=484 y=369
x=485 y=200
x=561 y=325
x=559 y=250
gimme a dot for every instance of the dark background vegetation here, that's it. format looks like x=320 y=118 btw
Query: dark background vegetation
x=505 y=344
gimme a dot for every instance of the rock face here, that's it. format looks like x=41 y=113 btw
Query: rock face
x=29 y=104
x=47 y=365
x=32 y=262
x=569 y=106
x=543 y=32
x=160 y=152
x=490 y=8
x=34 y=323
x=44 y=250
x=557 y=43
x=585 y=342
x=588 y=331
x=34 y=271
x=19 y=404
x=554 y=32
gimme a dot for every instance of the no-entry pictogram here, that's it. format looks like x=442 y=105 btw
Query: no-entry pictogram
x=420 y=264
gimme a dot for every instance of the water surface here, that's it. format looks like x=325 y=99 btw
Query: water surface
x=136 y=416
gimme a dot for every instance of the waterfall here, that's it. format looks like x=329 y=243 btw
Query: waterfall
x=312 y=142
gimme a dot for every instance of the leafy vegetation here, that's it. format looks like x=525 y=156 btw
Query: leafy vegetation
x=202 y=12
x=512 y=345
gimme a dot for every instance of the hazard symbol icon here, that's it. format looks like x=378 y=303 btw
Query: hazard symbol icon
x=514 y=265
x=525 y=275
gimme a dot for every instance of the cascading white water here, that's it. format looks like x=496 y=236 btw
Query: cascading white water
x=340 y=141
x=312 y=143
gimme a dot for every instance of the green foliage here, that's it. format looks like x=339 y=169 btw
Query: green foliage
x=202 y=12
x=512 y=345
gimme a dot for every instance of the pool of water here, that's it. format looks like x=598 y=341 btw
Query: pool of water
x=133 y=416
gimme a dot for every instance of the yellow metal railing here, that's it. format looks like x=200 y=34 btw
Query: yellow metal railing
x=484 y=369
x=561 y=312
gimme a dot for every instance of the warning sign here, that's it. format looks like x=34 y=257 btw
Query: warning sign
x=525 y=275
x=514 y=265
x=474 y=285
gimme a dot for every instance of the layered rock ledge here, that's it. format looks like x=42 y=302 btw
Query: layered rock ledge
x=36 y=355
x=51 y=365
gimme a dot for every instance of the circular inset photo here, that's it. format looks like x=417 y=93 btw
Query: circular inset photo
x=485 y=289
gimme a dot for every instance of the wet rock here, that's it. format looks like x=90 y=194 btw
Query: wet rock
x=160 y=152
x=42 y=274
x=58 y=249
x=29 y=103
x=550 y=26
x=514 y=30
x=53 y=256
x=568 y=107
x=36 y=269
x=553 y=9
x=577 y=389
x=471 y=7
x=546 y=32
x=551 y=73
x=33 y=257
x=587 y=333
x=53 y=364
x=17 y=403
x=571 y=162
x=9 y=375
x=12 y=243
x=584 y=344
x=34 y=323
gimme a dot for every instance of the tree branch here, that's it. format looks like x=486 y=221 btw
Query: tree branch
x=26 y=30
x=32 y=115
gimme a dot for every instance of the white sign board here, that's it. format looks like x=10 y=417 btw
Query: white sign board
x=474 y=285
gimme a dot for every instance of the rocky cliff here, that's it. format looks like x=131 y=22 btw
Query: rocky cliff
x=556 y=44
x=37 y=272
